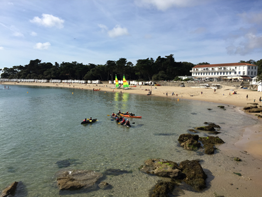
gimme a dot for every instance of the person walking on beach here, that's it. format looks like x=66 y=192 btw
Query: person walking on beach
x=247 y=96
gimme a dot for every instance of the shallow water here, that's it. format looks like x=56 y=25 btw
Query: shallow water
x=40 y=126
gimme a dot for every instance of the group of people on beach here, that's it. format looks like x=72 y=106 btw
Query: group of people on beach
x=120 y=119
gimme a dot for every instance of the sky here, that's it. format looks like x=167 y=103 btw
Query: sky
x=94 y=31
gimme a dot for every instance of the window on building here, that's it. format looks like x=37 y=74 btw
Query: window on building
x=251 y=72
x=248 y=67
x=239 y=72
x=255 y=73
x=243 y=72
x=227 y=73
x=235 y=73
x=248 y=72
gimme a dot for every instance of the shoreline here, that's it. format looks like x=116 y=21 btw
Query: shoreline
x=251 y=140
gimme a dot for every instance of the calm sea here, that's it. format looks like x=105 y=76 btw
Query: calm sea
x=40 y=126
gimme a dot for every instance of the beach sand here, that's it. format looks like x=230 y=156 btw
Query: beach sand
x=248 y=147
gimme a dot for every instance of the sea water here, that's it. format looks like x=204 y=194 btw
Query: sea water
x=41 y=126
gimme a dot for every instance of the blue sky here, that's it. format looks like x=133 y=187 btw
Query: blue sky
x=94 y=31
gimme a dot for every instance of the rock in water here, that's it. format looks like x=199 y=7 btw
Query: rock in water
x=9 y=190
x=161 y=167
x=76 y=179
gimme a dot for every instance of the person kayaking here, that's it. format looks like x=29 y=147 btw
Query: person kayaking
x=123 y=121
x=113 y=114
x=117 y=119
x=127 y=123
x=126 y=113
x=119 y=112
x=85 y=120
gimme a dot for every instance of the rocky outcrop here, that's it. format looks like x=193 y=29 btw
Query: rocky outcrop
x=9 y=190
x=76 y=179
x=249 y=107
x=161 y=167
x=209 y=143
x=162 y=189
x=255 y=110
x=195 y=176
x=190 y=172
x=190 y=142
x=210 y=127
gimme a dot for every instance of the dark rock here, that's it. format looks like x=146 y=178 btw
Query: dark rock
x=209 y=109
x=103 y=185
x=195 y=176
x=189 y=142
x=209 y=149
x=255 y=110
x=250 y=107
x=161 y=167
x=76 y=179
x=162 y=189
x=210 y=127
x=116 y=172
x=10 y=190
x=237 y=159
x=221 y=107
x=184 y=137
x=211 y=140
x=239 y=174
x=190 y=172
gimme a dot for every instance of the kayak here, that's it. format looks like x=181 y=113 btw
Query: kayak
x=129 y=116
x=88 y=121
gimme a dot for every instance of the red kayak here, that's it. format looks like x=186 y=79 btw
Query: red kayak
x=129 y=116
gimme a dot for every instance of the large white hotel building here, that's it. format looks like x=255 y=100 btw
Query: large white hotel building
x=225 y=71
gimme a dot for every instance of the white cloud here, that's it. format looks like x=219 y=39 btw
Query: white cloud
x=166 y=4
x=48 y=20
x=33 y=33
x=41 y=46
x=117 y=31
x=103 y=27
x=18 y=34
x=245 y=44
x=1 y=48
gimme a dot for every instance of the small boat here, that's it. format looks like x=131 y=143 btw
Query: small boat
x=96 y=89
x=88 y=121
x=129 y=116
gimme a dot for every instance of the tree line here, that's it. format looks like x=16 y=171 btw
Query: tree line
x=163 y=68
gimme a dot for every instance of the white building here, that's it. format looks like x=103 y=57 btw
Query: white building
x=226 y=71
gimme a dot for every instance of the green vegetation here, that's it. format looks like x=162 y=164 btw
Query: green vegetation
x=163 y=68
